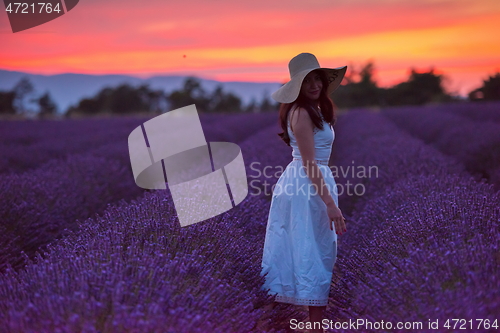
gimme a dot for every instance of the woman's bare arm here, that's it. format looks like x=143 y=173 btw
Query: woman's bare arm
x=303 y=126
x=304 y=134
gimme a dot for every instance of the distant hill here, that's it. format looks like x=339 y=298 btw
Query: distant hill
x=68 y=89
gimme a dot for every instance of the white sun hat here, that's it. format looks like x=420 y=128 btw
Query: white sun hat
x=299 y=67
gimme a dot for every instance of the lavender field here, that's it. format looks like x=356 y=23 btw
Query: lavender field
x=83 y=249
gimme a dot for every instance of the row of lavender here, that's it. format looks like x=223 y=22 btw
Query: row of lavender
x=481 y=112
x=423 y=239
x=25 y=145
x=41 y=203
x=474 y=144
x=134 y=269
x=488 y=111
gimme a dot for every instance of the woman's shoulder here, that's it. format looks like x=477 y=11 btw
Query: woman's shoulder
x=296 y=107
x=299 y=111
x=302 y=113
x=300 y=118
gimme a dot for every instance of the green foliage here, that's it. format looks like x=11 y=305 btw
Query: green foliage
x=491 y=88
x=7 y=102
x=47 y=106
x=421 y=88
x=489 y=91
x=361 y=89
x=18 y=100
x=252 y=106
x=267 y=105
x=193 y=93
x=123 y=99
x=224 y=102
x=126 y=99
x=22 y=90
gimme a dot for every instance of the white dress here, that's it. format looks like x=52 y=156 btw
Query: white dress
x=299 y=248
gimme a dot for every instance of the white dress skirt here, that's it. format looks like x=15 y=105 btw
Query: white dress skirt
x=300 y=250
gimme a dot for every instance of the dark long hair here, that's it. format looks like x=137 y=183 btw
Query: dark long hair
x=325 y=103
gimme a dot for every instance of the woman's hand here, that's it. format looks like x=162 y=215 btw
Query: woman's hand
x=335 y=216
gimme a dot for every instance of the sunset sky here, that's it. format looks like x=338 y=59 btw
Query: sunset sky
x=232 y=40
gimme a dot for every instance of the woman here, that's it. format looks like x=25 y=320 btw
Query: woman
x=300 y=247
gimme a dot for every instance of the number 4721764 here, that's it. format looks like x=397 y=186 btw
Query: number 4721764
x=24 y=8
x=463 y=324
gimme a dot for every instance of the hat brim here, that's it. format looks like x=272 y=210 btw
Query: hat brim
x=289 y=92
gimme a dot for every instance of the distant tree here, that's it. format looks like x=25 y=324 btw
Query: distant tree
x=252 y=106
x=266 y=104
x=491 y=87
x=124 y=99
x=360 y=88
x=367 y=84
x=489 y=91
x=191 y=93
x=102 y=101
x=155 y=99
x=221 y=101
x=86 y=106
x=23 y=91
x=7 y=102
x=420 y=88
x=47 y=107
x=351 y=75
x=93 y=105
x=476 y=95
